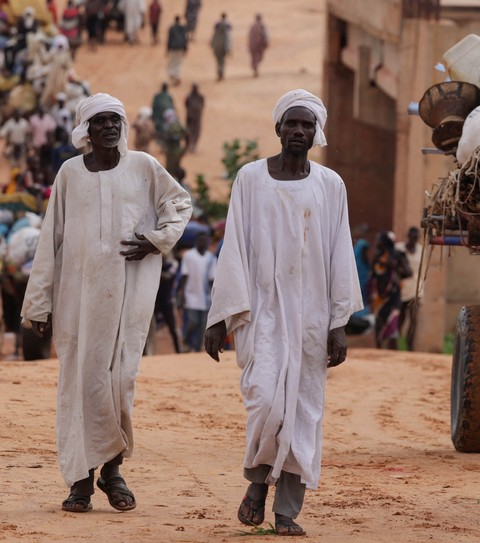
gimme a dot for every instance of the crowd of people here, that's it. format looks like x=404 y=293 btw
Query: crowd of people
x=180 y=35
x=391 y=288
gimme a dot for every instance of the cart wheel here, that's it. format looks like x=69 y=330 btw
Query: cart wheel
x=36 y=348
x=465 y=400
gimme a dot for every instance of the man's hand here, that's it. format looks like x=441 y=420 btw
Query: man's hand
x=141 y=247
x=336 y=347
x=215 y=339
x=41 y=328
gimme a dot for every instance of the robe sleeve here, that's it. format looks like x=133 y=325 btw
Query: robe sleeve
x=38 y=300
x=174 y=209
x=231 y=287
x=345 y=293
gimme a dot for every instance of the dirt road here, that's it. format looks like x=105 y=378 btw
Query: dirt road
x=390 y=473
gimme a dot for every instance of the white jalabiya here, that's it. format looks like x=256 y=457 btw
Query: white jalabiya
x=286 y=275
x=102 y=305
x=134 y=11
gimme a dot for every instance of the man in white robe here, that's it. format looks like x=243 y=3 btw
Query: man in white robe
x=112 y=214
x=286 y=285
x=134 y=11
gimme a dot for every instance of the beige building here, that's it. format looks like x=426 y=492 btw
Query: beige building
x=381 y=57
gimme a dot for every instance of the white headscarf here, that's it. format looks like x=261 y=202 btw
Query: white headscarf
x=145 y=112
x=88 y=108
x=303 y=98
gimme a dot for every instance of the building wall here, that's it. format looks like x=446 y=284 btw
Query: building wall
x=363 y=153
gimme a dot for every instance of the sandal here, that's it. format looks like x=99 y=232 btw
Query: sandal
x=286 y=526
x=256 y=510
x=76 y=503
x=117 y=492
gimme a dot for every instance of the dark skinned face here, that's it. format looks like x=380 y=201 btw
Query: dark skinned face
x=105 y=129
x=296 y=130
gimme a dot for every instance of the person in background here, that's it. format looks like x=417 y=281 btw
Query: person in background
x=154 y=16
x=257 y=43
x=362 y=321
x=26 y=24
x=221 y=43
x=144 y=130
x=360 y=250
x=42 y=126
x=388 y=268
x=174 y=142
x=71 y=26
x=194 y=104
x=192 y=9
x=93 y=9
x=177 y=44
x=134 y=13
x=161 y=102
x=197 y=274
x=62 y=149
x=61 y=113
x=408 y=286
x=164 y=303
x=15 y=131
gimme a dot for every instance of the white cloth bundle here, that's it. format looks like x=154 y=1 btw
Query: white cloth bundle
x=303 y=98
x=88 y=108
x=470 y=139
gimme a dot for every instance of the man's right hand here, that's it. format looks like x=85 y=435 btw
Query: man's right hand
x=40 y=328
x=215 y=339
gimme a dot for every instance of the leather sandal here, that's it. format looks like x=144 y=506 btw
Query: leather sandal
x=117 y=491
x=255 y=507
x=76 y=503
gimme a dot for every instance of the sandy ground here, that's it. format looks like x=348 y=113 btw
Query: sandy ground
x=389 y=470
x=390 y=473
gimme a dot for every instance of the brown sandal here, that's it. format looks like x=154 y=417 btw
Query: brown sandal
x=257 y=509
x=76 y=503
x=117 y=492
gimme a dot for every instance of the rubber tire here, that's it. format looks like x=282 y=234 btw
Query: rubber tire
x=36 y=348
x=465 y=391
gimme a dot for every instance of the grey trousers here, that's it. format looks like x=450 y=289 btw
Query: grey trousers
x=289 y=490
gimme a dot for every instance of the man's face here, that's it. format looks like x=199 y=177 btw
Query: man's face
x=105 y=129
x=296 y=129
x=413 y=236
x=202 y=243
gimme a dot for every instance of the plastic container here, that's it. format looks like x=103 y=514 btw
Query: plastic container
x=463 y=60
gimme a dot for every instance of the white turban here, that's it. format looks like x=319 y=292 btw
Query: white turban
x=88 y=108
x=303 y=98
x=145 y=112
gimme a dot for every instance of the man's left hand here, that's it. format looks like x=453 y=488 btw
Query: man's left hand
x=140 y=248
x=336 y=347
